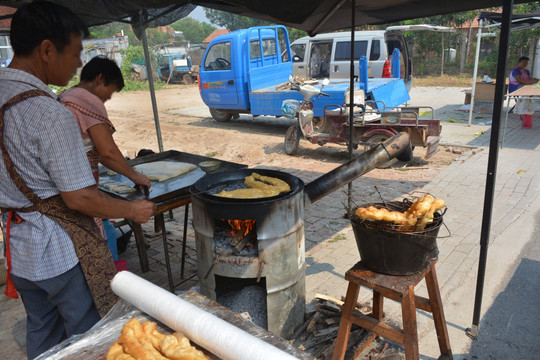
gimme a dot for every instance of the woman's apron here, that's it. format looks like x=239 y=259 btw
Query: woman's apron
x=93 y=253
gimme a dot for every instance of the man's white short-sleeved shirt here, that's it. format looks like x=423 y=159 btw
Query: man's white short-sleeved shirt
x=44 y=143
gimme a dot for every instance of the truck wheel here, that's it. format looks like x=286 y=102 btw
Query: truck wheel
x=292 y=140
x=187 y=79
x=220 y=115
x=376 y=139
x=321 y=124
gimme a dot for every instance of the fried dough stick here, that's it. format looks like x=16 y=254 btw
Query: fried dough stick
x=116 y=352
x=135 y=342
x=258 y=186
x=428 y=217
x=265 y=182
x=242 y=194
x=177 y=347
x=416 y=217
x=151 y=332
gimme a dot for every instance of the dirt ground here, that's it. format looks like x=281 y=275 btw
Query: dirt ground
x=257 y=142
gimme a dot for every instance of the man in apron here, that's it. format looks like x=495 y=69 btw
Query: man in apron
x=56 y=259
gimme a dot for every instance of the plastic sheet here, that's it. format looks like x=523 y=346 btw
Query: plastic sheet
x=95 y=343
x=290 y=107
x=212 y=333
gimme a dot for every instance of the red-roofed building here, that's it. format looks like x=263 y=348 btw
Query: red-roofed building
x=213 y=35
x=5 y=24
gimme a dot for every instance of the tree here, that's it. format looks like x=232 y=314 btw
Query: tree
x=232 y=21
x=111 y=29
x=523 y=42
x=194 y=30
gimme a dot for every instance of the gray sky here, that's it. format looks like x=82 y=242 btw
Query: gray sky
x=198 y=14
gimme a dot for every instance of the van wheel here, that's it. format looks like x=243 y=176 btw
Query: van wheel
x=187 y=79
x=220 y=115
x=292 y=140
x=321 y=124
x=376 y=139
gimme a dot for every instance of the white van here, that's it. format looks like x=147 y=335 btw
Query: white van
x=328 y=55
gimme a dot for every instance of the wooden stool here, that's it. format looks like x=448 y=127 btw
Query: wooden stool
x=398 y=288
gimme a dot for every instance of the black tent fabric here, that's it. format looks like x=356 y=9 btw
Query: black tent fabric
x=313 y=16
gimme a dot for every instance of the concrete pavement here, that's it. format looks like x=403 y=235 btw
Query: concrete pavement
x=331 y=250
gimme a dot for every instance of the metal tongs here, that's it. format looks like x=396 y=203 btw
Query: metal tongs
x=143 y=190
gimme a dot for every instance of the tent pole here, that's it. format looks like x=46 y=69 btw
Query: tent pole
x=475 y=72
x=351 y=100
x=502 y=61
x=150 y=81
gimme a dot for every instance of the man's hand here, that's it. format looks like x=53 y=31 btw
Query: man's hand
x=142 y=211
x=96 y=203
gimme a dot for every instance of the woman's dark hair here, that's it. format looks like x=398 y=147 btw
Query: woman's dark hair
x=523 y=58
x=107 y=67
x=43 y=20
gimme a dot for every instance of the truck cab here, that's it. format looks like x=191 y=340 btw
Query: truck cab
x=239 y=62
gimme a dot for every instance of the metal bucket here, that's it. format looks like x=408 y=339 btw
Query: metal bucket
x=385 y=250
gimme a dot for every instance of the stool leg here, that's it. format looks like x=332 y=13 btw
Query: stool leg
x=437 y=311
x=377 y=306
x=410 y=334
x=345 y=324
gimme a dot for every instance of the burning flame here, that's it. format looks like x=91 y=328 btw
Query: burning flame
x=241 y=226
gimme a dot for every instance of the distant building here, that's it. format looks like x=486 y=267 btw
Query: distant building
x=6 y=53
x=213 y=35
x=111 y=48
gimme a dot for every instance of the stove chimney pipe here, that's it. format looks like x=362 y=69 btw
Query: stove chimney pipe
x=397 y=146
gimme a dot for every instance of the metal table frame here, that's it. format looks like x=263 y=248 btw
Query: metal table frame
x=159 y=219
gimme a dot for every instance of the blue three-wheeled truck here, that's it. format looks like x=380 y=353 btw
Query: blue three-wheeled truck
x=249 y=71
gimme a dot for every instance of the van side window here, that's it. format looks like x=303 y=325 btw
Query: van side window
x=218 y=57
x=375 y=53
x=299 y=50
x=343 y=50
x=269 y=48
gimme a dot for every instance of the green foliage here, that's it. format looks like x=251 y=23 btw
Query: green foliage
x=295 y=33
x=232 y=21
x=193 y=30
x=111 y=29
x=136 y=54
x=58 y=89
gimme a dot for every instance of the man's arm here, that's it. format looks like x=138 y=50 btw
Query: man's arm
x=93 y=202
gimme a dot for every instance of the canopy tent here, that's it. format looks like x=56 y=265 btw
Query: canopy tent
x=315 y=16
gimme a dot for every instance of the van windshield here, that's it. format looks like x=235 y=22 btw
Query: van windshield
x=343 y=50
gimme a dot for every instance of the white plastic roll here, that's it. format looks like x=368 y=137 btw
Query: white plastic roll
x=212 y=333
